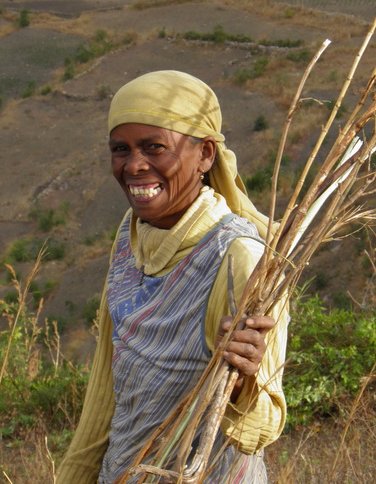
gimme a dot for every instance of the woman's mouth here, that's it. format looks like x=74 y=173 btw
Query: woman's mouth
x=145 y=192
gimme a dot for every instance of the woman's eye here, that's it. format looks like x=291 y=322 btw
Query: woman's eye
x=155 y=148
x=119 y=149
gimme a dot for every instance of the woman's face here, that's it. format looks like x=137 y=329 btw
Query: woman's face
x=159 y=170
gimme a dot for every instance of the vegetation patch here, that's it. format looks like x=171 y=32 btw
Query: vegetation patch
x=260 y=180
x=144 y=4
x=218 y=35
x=24 y=18
x=98 y=46
x=260 y=123
x=300 y=56
x=30 y=89
x=27 y=249
x=243 y=75
x=329 y=354
x=47 y=218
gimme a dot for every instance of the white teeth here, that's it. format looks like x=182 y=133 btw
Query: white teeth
x=145 y=192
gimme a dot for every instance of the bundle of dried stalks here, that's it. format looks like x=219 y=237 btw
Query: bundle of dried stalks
x=336 y=198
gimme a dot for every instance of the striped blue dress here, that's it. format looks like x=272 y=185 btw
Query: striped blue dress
x=159 y=348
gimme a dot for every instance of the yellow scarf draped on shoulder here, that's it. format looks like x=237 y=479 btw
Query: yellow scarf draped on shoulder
x=180 y=102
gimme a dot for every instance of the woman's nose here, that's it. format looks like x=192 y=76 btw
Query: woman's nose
x=136 y=161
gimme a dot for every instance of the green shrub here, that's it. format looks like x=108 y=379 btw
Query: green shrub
x=257 y=70
x=218 y=36
x=41 y=290
x=83 y=54
x=90 y=309
x=47 y=218
x=45 y=90
x=26 y=250
x=260 y=123
x=303 y=55
x=289 y=13
x=69 y=70
x=129 y=38
x=100 y=36
x=162 y=33
x=23 y=18
x=329 y=352
x=95 y=48
x=30 y=89
x=282 y=43
x=260 y=180
x=38 y=387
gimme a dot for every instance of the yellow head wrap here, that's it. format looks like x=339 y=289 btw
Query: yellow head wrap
x=182 y=103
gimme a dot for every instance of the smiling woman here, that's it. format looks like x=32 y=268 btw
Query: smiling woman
x=164 y=307
x=159 y=170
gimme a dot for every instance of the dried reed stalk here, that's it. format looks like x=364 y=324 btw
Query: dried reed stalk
x=332 y=201
x=22 y=296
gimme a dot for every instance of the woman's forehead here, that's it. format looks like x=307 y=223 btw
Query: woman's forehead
x=144 y=131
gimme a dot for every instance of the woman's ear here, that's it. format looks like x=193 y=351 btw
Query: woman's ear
x=208 y=152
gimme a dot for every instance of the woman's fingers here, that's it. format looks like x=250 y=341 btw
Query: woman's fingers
x=247 y=345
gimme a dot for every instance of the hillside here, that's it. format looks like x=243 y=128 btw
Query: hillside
x=61 y=62
x=58 y=75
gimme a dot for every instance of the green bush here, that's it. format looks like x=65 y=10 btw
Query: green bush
x=95 y=48
x=162 y=33
x=260 y=180
x=47 y=218
x=30 y=89
x=90 y=309
x=69 y=70
x=23 y=18
x=129 y=38
x=282 y=43
x=36 y=388
x=218 y=36
x=46 y=90
x=303 y=55
x=26 y=250
x=41 y=290
x=260 y=123
x=257 y=70
x=329 y=352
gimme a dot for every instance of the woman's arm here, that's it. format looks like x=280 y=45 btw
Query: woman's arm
x=257 y=416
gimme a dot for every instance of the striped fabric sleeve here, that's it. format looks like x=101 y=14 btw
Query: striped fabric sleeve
x=258 y=416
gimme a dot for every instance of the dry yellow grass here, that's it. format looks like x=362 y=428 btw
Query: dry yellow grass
x=307 y=454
